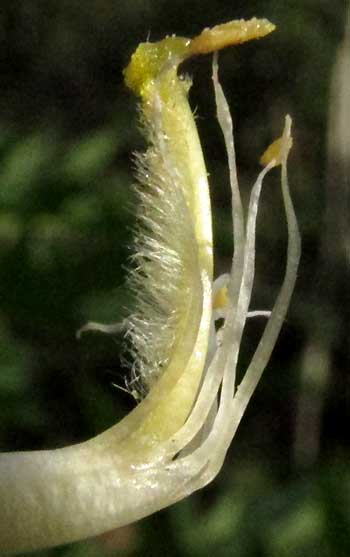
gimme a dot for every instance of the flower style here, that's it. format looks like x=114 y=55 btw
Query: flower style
x=175 y=441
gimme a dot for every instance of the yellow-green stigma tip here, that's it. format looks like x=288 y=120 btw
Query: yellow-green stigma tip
x=149 y=59
x=229 y=34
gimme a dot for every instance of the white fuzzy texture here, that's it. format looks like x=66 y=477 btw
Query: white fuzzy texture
x=164 y=265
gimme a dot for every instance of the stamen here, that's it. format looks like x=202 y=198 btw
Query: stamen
x=225 y=121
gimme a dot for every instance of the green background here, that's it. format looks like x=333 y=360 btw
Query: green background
x=68 y=128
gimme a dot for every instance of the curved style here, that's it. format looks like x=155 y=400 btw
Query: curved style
x=174 y=442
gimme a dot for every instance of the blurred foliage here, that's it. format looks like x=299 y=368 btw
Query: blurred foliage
x=67 y=131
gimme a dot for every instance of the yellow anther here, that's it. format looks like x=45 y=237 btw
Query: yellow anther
x=221 y=299
x=274 y=151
